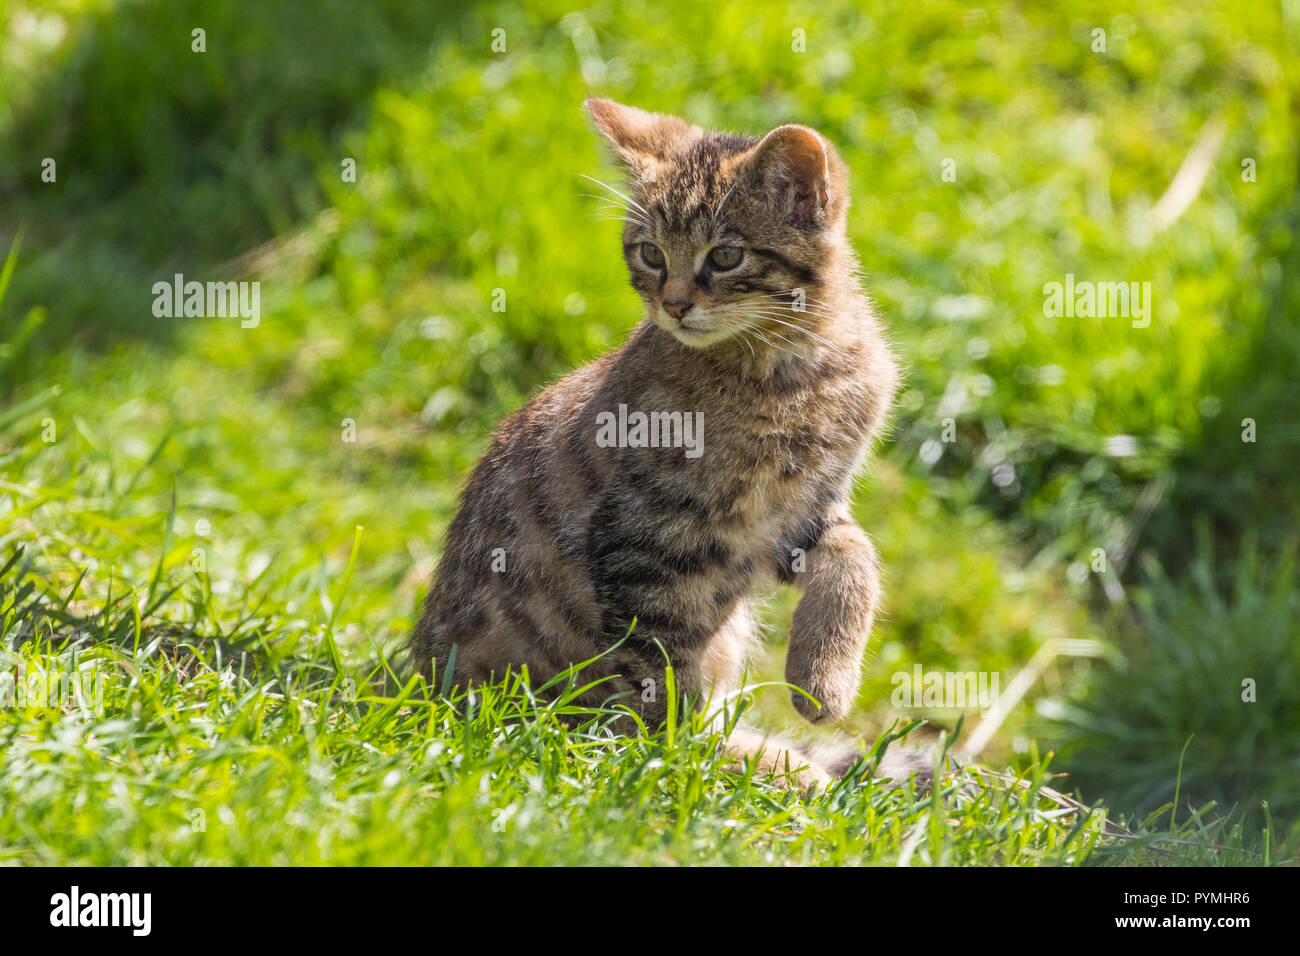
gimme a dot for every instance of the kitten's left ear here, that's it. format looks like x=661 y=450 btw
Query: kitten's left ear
x=792 y=166
x=644 y=141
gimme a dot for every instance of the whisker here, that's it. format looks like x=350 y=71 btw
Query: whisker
x=608 y=203
x=608 y=200
x=713 y=216
x=623 y=212
x=815 y=309
x=622 y=196
x=760 y=310
x=797 y=290
x=783 y=302
x=785 y=340
x=778 y=310
x=772 y=318
x=748 y=345
x=772 y=345
x=754 y=329
x=810 y=298
x=790 y=315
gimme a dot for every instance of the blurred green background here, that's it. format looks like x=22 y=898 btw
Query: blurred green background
x=1070 y=434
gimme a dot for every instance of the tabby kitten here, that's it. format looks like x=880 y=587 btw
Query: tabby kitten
x=761 y=377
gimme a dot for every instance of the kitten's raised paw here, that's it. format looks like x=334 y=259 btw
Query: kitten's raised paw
x=826 y=709
x=833 y=693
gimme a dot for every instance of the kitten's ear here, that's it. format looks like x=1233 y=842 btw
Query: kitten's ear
x=792 y=167
x=643 y=141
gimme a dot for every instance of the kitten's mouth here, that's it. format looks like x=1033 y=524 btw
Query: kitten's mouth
x=695 y=334
x=696 y=330
x=691 y=335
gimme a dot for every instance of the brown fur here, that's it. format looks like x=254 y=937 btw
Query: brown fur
x=792 y=397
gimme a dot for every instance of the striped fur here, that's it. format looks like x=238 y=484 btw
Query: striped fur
x=560 y=542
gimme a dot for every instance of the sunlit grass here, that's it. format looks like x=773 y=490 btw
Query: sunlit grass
x=256 y=748
x=196 y=475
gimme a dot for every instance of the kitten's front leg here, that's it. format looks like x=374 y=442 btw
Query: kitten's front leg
x=841 y=585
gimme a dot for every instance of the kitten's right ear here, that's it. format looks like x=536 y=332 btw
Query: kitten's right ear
x=792 y=166
x=643 y=141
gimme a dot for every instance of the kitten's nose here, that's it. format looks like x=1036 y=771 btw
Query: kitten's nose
x=677 y=309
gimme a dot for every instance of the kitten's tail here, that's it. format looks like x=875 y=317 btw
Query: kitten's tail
x=895 y=768
x=826 y=761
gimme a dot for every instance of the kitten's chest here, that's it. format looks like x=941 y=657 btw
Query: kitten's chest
x=806 y=430
x=783 y=460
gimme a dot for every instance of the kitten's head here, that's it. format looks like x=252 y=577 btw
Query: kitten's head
x=727 y=234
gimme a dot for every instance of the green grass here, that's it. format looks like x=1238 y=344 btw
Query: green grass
x=198 y=472
x=1228 y=749
x=255 y=748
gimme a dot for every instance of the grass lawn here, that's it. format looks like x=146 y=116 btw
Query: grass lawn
x=230 y=528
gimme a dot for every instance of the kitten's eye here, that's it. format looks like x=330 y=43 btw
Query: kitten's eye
x=726 y=257
x=652 y=255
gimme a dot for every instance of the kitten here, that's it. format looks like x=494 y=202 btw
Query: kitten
x=710 y=455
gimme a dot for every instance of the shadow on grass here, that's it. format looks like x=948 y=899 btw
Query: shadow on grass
x=170 y=160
